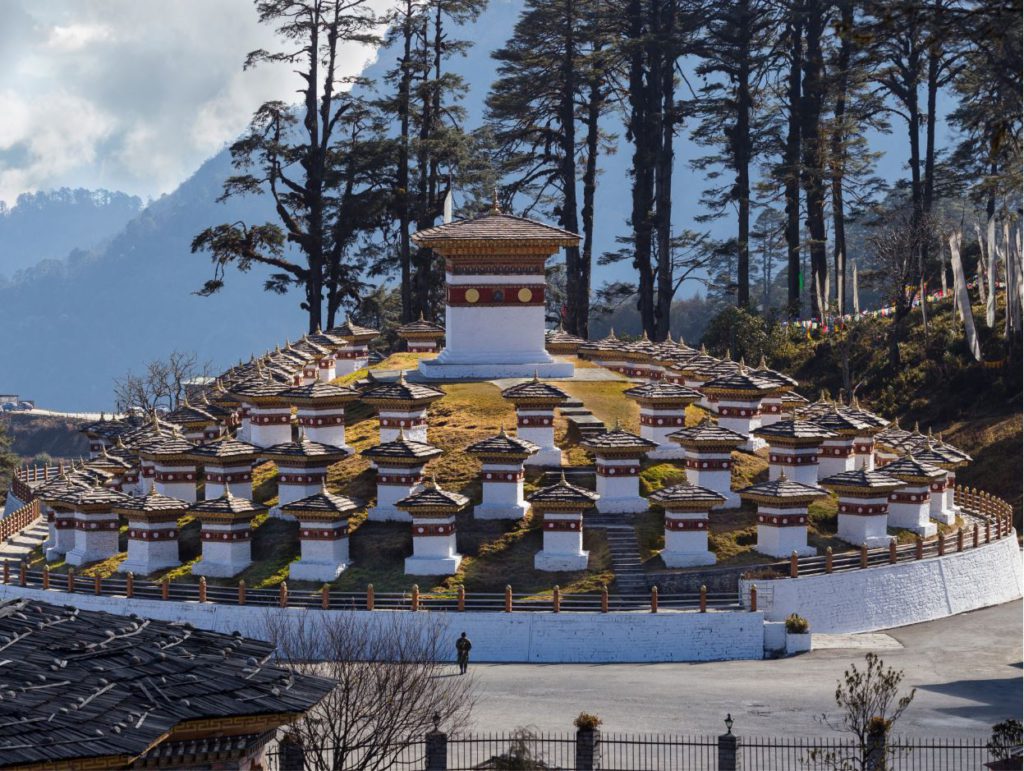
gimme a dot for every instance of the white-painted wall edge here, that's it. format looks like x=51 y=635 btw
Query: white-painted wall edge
x=533 y=637
x=888 y=596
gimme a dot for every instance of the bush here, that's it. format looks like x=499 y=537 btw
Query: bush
x=796 y=624
x=745 y=335
x=586 y=722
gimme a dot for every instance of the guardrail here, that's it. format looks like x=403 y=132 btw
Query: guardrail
x=19 y=519
x=25 y=476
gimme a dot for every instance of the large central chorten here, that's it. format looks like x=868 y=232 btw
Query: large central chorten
x=494 y=303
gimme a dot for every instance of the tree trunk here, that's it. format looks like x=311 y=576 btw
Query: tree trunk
x=741 y=153
x=594 y=101
x=812 y=172
x=666 y=85
x=567 y=172
x=791 y=161
x=404 y=246
x=839 y=152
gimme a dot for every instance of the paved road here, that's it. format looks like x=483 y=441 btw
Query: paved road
x=967 y=671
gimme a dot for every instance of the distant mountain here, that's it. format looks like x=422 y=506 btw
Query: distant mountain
x=48 y=225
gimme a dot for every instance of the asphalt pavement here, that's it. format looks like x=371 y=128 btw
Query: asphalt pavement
x=966 y=669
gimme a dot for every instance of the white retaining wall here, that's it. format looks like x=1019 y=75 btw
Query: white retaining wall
x=896 y=595
x=527 y=637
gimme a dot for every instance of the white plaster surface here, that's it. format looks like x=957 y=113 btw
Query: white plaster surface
x=895 y=595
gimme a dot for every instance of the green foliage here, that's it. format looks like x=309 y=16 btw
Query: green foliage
x=8 y=460
x=747 y=335
x=1005 y=742
x=797 y=624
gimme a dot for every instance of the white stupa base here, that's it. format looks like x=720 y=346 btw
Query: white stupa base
x=500 y=510
x=54 y=553
x=83 y=557
x=323 y=572
x=145 y=568
x=459 y=368
x=432 y=566
x=679 y=559
x=782 y=553
x=944 y=517
x=559 y=563
x=219 y=569
x=631 y=505
x=547 y=457
x=388 y=514
x=276 y=513
x=667 y=452
x=753 y=444
x=912 y=518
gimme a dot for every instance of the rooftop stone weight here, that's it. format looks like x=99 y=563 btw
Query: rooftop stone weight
x=535 y=404
x=782 y=515
x=619 y=454
x=662 y=411
x=561 y=507
x=226 y=535
x=686 y=524
x=152 y=532
x=402 y=406
x=494 y=296
x=863 y=505
x=399 y=465
x=794 y=448
x=501 y=475
x=707 y=451
x=434 y=550
x=323 y=535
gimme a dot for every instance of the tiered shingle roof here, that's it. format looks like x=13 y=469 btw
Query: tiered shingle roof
x=495 y=226
x=534 y=390
x=687 y=495
x=401 y=390
x=402 y=448
x=562 y=494
x=860 y=479
x=503 y=444
x=781 y=489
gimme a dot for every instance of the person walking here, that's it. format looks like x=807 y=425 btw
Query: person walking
x=462 y=649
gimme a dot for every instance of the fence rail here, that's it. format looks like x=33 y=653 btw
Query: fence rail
x=589 y=751
x=19 y=519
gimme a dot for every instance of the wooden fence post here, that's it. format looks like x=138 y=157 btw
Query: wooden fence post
x=556 y=599
x=129 y=585
x=942 y=544
x=22 y=573
x=654 y=599
x=703 y=599
x=202 y=588
x=370 y=598
x=282 y=594
x=241 y=591
x=988 y=531
x=415 y=597
x=97 y=585
x=975 y=535
x=753 y=597
x=863 y=555
x=7 y=572
x=960 y=539
x=919 y=548
x=461 y=598
x=828 y=559
x=165 y=588
x=604 y=599
x=46 y=576
x=892 y=552
x=71 y=580
x=794 y=564
x=325 y=597
x=508 y=598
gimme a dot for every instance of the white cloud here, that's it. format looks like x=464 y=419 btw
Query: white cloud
x=128 y=95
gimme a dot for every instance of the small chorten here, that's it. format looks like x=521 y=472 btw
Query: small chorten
x=301 y=468
x=794 y=448
x=226 y=461
x=96 y=524
x=737 y=398
x=662 y=411
x=173 y=467
x=782 y=515
x=266 y=417
x=400 y=464
x=226 y=534
x=910 y=505
x=152 y=532
x=561 y=507
x=837 y=452
x=320 y=410
x=352 y=350
x=863 y=505
x=686 y=524
x=619 y=455
x=434 y=550
x=323 y=535
x=707 y=456
x=501 y=475
x=535 y=404
x=773 y=405
x=421 y=336
x=402 y=406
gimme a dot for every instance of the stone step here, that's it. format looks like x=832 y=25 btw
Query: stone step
x=571 y=403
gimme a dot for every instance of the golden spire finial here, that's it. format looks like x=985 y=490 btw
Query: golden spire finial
x=764 y=363
x=495 y=209
x=501 y=431
x=562 y=479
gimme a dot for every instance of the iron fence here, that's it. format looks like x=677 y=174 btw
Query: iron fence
x=526 y=749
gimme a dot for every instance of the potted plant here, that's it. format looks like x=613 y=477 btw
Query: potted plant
x=588 y=740
x=798 y=634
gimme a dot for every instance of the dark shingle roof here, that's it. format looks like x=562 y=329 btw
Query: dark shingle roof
x=534 y=389
x=167 y=444
x=661 y=390
x=794 y=429
x=401 y=391
x=841 y=422
x=318 y=391
x=258 y=388
x=189 y=413
x=95 y=496
x=420 y=326
x=324 y=501
x=85 y=684
x=617 y=439
x=151 y=502
x=741 y=380
x=763 y=370
x=706 y=433
x=304 y=447
x=503 y=444
x=495 y=226
x=349 y=329
x=433 y=497
x=782 y=488
x=563 y=493
x=867 y=480
x=911 y=468
x=227 y=503
x=226 y=447
x=403 y=448
x=560 y=337
x=686 y=493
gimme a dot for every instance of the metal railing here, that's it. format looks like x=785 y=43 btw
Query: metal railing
x=589 y=751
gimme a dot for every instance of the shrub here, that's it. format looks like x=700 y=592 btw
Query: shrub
x=796 y=624
x=586 y=722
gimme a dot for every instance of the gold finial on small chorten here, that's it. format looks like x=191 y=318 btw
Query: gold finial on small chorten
x=495 y=209
x=501 y=431
x=764 y=363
